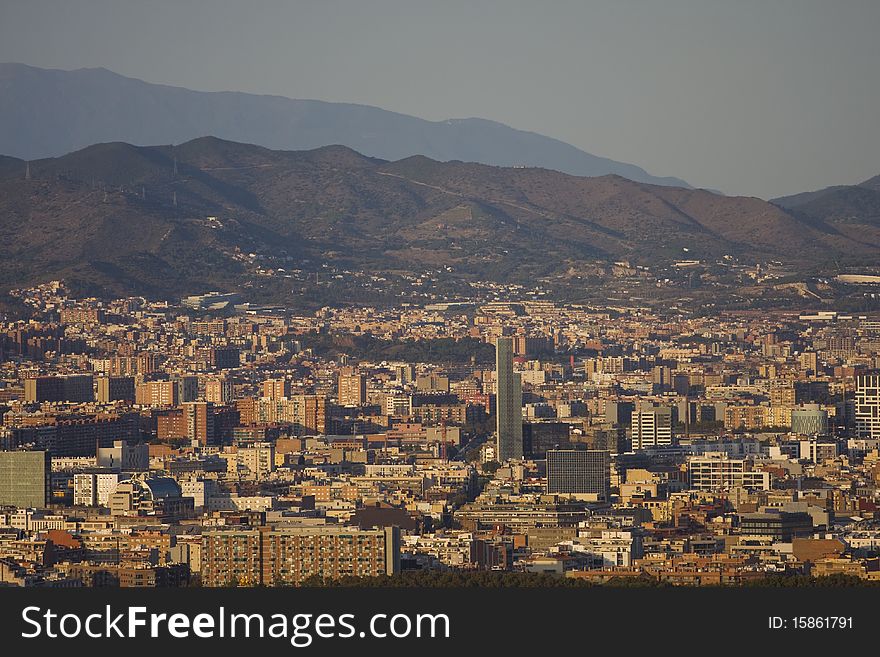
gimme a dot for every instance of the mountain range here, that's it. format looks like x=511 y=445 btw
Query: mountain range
x=48 y=112
x=853 y=207
x=115 y=218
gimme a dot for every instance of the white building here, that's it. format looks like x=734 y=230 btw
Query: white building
x=651 y=427
x=817 y=451
x=611 y=548
x=124 y=457
x=200 y=490
x=94 y=489
x=868 y=405
x=716 y=471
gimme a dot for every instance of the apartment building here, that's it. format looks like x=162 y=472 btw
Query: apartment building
x=288 y=555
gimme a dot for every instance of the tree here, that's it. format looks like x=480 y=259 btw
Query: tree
x=491 y=467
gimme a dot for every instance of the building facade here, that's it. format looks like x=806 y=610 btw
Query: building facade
x=578 y=471
x=508 y=415
x=279 y=555
x=868 y=405
x=651 y=427
x=25 y=478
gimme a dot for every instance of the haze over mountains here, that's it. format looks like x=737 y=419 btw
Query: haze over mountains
x=48 y=112
x=163 y=221
x=858 y=205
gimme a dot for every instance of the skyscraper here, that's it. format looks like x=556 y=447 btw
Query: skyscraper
x=508 y=416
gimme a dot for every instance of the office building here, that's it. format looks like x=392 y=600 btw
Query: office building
x=76 y=436
x=809 y=420
x=619 y=412
x=778 y=525
x=508 y=415
x=867 y=405
x=25 y=478
x=223 y=358
x=432 y=383
x=150 y=496
x=579 y=471
x=73 y=388
x=124 y=457
x=718 y=472
x=94 y=488
x=817 y=451
x=540 y=437
x=397 y=404
x=115 y=388
x=651 y=427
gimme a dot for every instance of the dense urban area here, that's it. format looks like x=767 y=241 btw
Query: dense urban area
x=213 y=442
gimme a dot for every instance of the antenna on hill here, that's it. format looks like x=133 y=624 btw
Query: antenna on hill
x=174 y=155
x=27 y=170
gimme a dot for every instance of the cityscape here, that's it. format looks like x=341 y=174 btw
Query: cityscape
x=211 y=442
x=575 y=306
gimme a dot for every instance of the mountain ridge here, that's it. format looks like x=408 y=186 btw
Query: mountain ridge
x=852 y=210
x=50 y=112
x=168 y=220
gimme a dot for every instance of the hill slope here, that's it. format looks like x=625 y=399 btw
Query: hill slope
x=208 y=214
x=850 y=210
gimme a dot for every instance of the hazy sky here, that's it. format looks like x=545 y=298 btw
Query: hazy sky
x=757 y=97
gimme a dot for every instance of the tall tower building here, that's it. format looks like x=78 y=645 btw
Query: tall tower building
x=508 y=414
x=868 y=405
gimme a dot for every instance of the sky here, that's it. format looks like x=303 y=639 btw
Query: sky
x=754 y=97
